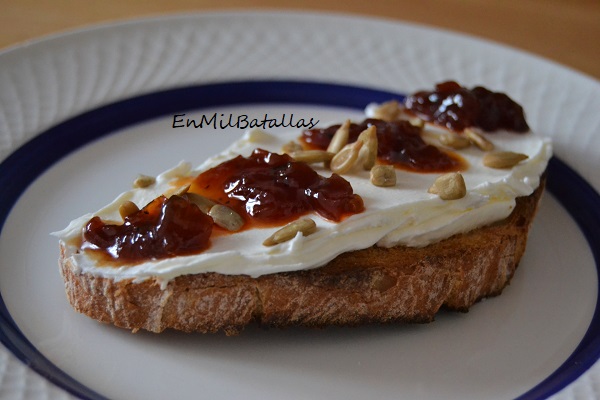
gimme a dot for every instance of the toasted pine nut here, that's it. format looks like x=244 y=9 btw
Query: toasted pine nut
x=305 y=225
x=503 y=159
x=449 y=186
x=340 y=138
x=478 y=140
x=383 y=175
x=454 y=140
x=203 y=203
x=312 y=156
x=127 y=208
x=368 y=153
x=343 y=161
x=226 y=218
x=388 y=111
x=143 y=181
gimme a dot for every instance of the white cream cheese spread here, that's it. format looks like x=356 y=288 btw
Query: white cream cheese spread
x=405 y=214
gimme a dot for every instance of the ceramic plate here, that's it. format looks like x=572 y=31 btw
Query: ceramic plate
x=82 y=114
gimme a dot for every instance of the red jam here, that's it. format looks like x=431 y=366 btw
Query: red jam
x=398 y=143
x=457 y=108
x=265 y=189
x=164 y=228
x=272 y=189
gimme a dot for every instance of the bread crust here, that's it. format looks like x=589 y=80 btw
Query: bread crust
x=374 y=285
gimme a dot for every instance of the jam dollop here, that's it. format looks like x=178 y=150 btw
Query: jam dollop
x=271 y=189
x=399 y=143
x=164 y=228
x=457 y=108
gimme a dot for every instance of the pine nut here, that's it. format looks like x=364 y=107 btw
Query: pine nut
x=454 y=140
x=340 y=138
x=368 y=152
x=503 y=159
x=203 y=203
x=478 y=140
x=449 y=186
x=127 y=208
x=226 y=218
x=383 y=175
x=143 y=181
x=312 y=156
x=343 y=161
x=388 y=111
x=305 y=225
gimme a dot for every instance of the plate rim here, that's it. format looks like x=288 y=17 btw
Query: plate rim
x=89 y=34
x=580 y=208
x=292 y=11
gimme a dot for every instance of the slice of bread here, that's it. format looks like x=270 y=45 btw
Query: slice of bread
x=374 y=285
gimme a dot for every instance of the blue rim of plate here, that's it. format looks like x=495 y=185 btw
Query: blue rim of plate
x=31 y=160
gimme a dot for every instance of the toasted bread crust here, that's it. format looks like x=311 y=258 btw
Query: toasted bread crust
x=374 y=285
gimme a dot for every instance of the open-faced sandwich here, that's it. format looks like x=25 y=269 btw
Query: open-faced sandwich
x=426 y=203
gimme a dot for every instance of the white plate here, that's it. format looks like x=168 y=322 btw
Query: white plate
x=502 y=348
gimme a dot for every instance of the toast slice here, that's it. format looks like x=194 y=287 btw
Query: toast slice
x=374 y=285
